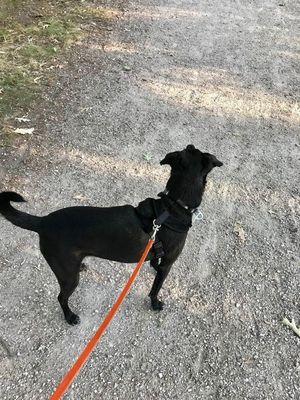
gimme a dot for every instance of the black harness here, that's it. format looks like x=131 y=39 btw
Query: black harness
x=177 y=216
x=151 y=209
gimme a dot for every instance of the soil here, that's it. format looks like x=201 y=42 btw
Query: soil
x=225 y=77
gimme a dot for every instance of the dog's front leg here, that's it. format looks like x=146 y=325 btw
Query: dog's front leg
x=162 y=272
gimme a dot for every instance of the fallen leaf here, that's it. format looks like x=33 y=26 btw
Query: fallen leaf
x=80 y=197
x=24 y=131
x=22 y=119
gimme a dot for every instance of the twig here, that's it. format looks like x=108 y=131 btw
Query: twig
x=292 y=325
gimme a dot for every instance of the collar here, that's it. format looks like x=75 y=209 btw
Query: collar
x=179 y=202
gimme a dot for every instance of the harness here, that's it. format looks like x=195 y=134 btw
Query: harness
x=151 y=209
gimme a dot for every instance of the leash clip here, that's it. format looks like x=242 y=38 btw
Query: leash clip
x=157 y=223
x=156 y=228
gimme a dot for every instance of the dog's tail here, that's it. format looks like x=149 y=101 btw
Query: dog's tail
x=16 y=217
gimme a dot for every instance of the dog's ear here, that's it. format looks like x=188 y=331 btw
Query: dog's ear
x=209 y=161
x=175 y=159
x=169 y=158
x=217 y=163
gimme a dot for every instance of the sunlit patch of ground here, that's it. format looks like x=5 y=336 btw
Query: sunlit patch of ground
x=221 y=94
x=228 y=191
x=115 y=47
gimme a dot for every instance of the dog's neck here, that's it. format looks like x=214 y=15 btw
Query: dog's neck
x=189 y=191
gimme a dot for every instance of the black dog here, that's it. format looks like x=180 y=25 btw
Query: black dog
x=119 y=233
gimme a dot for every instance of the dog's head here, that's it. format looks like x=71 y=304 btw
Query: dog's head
x=192 y=161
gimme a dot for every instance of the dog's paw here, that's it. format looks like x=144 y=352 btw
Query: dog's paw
x=157 y=305
x=73 y=319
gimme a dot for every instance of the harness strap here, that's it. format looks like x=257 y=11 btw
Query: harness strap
x=162 y=218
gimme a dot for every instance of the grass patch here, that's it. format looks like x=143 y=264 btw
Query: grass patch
x=33 y=52
x=18 y=91
x=34 y=35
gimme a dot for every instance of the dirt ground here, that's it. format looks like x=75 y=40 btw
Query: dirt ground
x=225 y=77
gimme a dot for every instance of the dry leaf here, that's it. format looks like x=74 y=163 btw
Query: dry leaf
x=23 y=119
x=24 y=131
x=80 y=197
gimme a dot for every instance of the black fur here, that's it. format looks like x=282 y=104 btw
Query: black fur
x=116 y=233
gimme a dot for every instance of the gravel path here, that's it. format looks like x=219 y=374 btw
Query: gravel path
x=162 y=74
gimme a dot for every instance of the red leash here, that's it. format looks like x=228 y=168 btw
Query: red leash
x=82 y=359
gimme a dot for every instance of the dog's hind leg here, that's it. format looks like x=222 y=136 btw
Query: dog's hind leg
x=66 y=269
x=162 y=272
x=66 y=289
